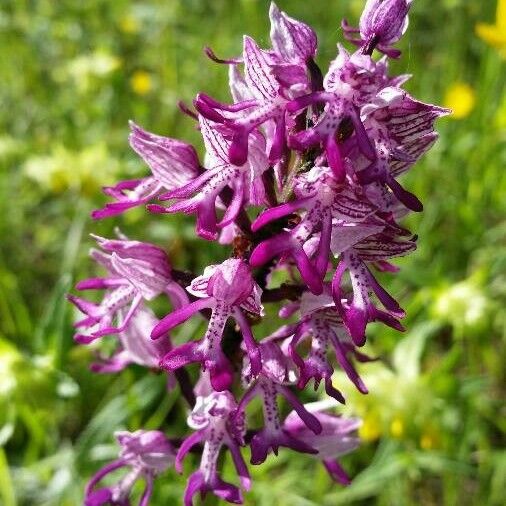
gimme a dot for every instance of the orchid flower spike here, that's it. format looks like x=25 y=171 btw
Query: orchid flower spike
x=302 y=180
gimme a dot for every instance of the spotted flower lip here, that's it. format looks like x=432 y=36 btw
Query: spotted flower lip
x=272 y=382
x=361 y=310
x=212 y=419
x=172 y=164
x=321 y=323
x=146 y=453
x=227 y=289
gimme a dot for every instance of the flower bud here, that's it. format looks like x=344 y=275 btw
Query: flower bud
x=383 y=22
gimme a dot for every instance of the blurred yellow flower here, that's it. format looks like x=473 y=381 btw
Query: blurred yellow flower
x=141 y=82
x=129 y=24
x=397 y=427
x=495 y=35
x=370 y=430
x=429 y=440
x=460 y=98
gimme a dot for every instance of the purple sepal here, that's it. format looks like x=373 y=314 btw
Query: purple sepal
x=171 y=161
x=291 y=39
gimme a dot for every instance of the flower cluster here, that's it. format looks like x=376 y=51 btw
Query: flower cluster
x=301 y=178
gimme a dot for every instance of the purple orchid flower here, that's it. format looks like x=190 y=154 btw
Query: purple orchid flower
x=351 y=82
x=267 y=104
x=324 y=327
x=147 y=454
x=227 y=289
x=325 y=201
x=245 y=183
x=215 y=427
x=270 y=78
x=137 y=271
x=271 y=382
x=172 y=162
x=383 y=23
x=337 y=437
x=403 y=130
x=317 y=160
x=357 y=313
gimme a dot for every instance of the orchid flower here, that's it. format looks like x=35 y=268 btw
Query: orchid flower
x=324 y=327
x=146 y=453
x=383 y=23
x=337 y=438
x=211 y=418
x=272 y=381
x=136 y=272
x=207 y=188
x=172 y=163
x=227 y=289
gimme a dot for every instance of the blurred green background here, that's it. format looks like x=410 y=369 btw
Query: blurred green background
x=72 y=74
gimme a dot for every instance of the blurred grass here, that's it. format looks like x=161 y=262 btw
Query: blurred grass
x=73 y=73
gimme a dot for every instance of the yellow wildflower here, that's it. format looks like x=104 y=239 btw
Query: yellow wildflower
x=370 y=430
x=460 y=98
x=397 y=427
x=141 y=82
x=495 y=35
x=429 y=439
x=128 y=24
